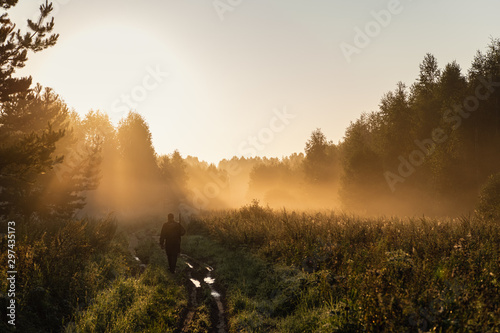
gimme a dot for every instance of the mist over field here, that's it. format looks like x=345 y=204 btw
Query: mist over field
x=394 y=226
x=428 y=150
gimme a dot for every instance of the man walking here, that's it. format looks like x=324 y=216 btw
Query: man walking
x=170 y=240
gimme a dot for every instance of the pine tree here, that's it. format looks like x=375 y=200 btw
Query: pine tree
x=14 y=47
x=35 y=133
x=24 y=155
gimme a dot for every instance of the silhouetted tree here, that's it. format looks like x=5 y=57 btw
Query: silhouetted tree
x=448 y=177
x=173 y=173
x=136 y=147
x=482 y=128
x=14 y=47
x=26 y=153
x=98 y=133
x=396 y=123
x=363 y=185
x=321 y=160
x=55 y=185
x=141 y=187
x=448 y=163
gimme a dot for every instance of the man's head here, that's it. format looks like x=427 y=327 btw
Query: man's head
x=171 y=217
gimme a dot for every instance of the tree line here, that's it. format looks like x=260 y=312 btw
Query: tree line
x=428 y=149
x=432 y=145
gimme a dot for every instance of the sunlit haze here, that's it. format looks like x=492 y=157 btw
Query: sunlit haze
x=207 y=78
x=250 y=166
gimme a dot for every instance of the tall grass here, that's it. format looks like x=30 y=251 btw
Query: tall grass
x=79 y=276
x=363 y=274
x=153 y=302
x=61 y=265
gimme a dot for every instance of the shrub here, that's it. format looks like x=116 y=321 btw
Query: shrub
x=63 y=264
x=489 y=198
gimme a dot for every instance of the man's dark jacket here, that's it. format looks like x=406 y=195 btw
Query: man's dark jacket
x=171 y=233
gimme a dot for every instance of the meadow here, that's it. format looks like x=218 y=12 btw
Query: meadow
x=327 y=272
x=79 y=276
x=278 y=271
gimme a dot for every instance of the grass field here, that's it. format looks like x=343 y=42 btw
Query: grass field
x=325 y=272
x=277 y=271
x=151 y=301
x=79 y=276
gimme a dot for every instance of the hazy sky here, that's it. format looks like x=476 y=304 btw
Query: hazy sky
x=221 y=78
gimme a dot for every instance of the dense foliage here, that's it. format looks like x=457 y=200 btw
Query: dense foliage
x=489 y=199
x=62 y=266
x=431 y=146
x=337 y=273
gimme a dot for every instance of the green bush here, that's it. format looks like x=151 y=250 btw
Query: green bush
x=489 y=198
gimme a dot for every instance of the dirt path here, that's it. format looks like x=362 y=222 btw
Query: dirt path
x=200 y=277
x=133 y=241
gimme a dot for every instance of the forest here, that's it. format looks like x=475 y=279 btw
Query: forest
x=428 y=150
x=78 y=186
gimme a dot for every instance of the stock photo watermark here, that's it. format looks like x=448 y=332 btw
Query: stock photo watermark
x=247 y=148
x=372 y=29
x=453 y=116
x=211 y=190
x=266 y=135
x=56 y=6
x=224 y=6
x=11 y=273
x=153 y=79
